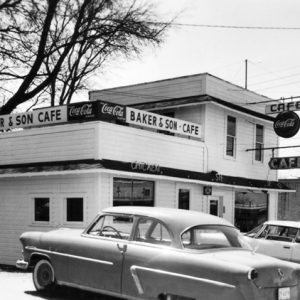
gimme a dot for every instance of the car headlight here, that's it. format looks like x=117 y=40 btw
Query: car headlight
x=252 y=274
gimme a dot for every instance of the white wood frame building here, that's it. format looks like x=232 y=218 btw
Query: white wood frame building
x=66 y=162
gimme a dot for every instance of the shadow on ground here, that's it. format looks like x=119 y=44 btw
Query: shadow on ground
x=66 y=293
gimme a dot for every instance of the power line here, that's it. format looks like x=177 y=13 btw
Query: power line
x=280 y=99
x=233 y=26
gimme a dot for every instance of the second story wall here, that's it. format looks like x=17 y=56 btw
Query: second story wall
x=100 y=140
x=243 y=163
x=56 y=143
x=132 y=144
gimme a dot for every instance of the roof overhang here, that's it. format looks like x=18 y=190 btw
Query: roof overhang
x=153 y=172
x=201 y=99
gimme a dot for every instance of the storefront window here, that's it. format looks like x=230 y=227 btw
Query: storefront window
x=133 y=192
x=251 y=209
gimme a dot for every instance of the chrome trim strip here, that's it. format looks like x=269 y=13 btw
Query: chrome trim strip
x=136 y=280
x=157 y=271
x=103 y=262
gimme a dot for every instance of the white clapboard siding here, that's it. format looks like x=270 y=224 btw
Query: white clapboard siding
x=15 y=209
x=165 y=194
x=152 y=91
x=130 y=144
x=243 y=165
x=231 y=93
x=66 y=142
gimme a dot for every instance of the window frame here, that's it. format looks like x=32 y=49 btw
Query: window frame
x=101 y=219
x=64 y=220
x=234 y=137
x=256 y=142
x=157 y=221
x=32 y=220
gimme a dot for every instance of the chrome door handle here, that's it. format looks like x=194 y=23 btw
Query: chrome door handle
x=122 y=248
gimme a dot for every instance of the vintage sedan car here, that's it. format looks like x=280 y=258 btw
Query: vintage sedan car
x=158 y=253
x=280 y=239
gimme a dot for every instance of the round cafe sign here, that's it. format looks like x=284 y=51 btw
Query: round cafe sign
x=286 y=124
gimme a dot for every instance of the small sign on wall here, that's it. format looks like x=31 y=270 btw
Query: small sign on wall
x=286 y=124
x=207 y=190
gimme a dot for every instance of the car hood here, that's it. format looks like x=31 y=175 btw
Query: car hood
x=271 y=272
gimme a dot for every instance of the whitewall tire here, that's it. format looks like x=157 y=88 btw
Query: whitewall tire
x=43 y=275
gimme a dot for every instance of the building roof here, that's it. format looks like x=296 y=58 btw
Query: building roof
x=191 y=76
x=203 y=84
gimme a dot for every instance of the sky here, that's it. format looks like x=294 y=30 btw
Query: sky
x=273 y=55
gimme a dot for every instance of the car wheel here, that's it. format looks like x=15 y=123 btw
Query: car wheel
x=43 y=275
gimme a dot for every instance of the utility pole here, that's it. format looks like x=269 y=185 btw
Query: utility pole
x=246 y=73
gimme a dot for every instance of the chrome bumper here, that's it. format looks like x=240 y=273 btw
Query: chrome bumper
x=22 y=264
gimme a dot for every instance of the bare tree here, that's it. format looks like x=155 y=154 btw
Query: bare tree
x=55 y=45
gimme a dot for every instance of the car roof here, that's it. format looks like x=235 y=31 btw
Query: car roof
x=295 y=224
x=178 y=219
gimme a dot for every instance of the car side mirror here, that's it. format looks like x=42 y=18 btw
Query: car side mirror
x=297 y=239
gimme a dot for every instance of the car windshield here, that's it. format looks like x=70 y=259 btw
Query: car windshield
x=213 y=236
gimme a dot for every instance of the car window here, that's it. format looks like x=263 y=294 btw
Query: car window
x=279 y=233
x=152 y=231
x=212 y=236
x=254 y=231
x=112 y=226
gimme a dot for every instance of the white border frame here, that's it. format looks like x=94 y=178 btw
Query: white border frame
x=31 y=198
x=235 y=138
x=64 y=221
x=258 y=162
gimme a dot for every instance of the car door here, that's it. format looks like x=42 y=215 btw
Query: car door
x=96 y=259
x=147 y=257
x=296 y=247
x=275 y=241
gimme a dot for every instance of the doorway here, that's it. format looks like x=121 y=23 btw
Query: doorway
x=184 y=199
x=215 y=206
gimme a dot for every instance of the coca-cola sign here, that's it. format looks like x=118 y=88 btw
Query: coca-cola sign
x=82 y=111
x=111 y=111
x=286 y=124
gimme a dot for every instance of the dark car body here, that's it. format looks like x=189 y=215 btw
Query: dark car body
x=158 y=253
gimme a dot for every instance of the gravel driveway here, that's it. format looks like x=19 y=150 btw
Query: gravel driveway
x=16 y=285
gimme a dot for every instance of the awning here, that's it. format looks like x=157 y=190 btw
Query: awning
x=137 y=169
